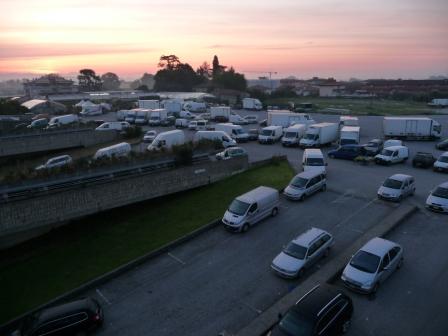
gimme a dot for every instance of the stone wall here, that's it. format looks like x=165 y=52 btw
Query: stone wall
x=53 y=140
x=23 y=219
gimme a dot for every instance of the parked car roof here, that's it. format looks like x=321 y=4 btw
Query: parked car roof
x=400 y=177
x=312 y=303
x=378 y=246
x=309 y=174
x=306 y=238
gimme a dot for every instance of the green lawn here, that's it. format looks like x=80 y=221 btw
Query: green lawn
x=374 y=106
x=35 y=272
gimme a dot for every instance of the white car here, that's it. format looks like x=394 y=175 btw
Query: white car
x=58 y=161
x=372 y=265
x=396 y=187
x=302 y=252
x=149 y=136
x=231 y=152
x=438 y=198
x=442 y=163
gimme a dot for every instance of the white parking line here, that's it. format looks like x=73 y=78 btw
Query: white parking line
x=176 y=258
x=103 y=297
x=355 y=213
x=258 y=311
x=344 y=197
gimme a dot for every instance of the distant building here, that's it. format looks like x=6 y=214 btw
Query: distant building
x=331 y=90
x=49 y=84
x=41 y=106
x=270 y=84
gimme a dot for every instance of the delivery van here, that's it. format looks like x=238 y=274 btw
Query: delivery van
x=313 y=160
x=166 y=140
x=394 y=154
x=118 y=150
x=270 y=134
x=226 y=140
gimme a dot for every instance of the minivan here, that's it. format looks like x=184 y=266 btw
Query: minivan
x=58 y=161
x=305 y=184
x=313 y=160
x=250 y=208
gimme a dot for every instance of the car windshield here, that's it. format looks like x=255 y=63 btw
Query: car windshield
x=295 y=251
x=387 y=152
x=299 y=182
x=238 y=207
x=393 y=184
x=266 y=132
x=443 y=159
x=441 y=192
x=290 y=134
x=314 y=162
x=310 y=136
x=295 y=324
x=365 y=261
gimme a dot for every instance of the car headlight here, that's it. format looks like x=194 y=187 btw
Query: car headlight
x=343 y=277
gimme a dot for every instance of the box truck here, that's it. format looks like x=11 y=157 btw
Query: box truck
x=250 y=208
x=141 y=117
x=293 y=134
x=320 y=135
x=252 y=104
x=157 y=116
x=130 y=116
x=149 y=104
x=411 y=128
x=348 y=121
x=349 y=135
x=220 y=113
x=236 y=132
x=195 y=106
x=172 y=106
x=166 y=140
x=285 y=118
x=221 y=136
x=270 y=134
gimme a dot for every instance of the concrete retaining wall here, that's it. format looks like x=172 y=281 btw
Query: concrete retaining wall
x=53 y=140
x=19 y=220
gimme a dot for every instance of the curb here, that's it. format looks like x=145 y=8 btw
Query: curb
x=328 y=273
x=12 y=324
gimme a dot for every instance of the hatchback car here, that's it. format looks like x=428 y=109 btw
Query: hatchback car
x=373 y=147
x=441 y=164
x=251 y=119
x=372 y=265
x=397 y=187
x=58 y=161
x=71 y=318
x=442 y=145
x=423 y=160
x=347 y=152
x=231 y=152
x=302 y=253
x=305 y=184
x=438 y=199
x=324 y=311
x=149 y=136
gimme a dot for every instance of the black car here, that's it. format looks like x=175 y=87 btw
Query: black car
x=253 y=134
x=423 y=160
x=442 y=145
x=324 y=310
x=374 y=147
x=347 y=152
x=67 y=319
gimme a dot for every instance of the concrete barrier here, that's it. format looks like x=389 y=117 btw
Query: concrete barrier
x=329 y=272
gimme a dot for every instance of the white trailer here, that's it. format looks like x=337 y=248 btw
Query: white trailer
x=172 y=106
x=149 y=104
x=235 y=131
x=131 y=115
x=293 y=134
x=220 y=113
x=286 y=118
x=348 y=121
x=157 y=116
x=166 y=140
x=252 y=104
x=195 y=106
x=318 y=135
x=411 y=128
x=349 y=135
x=141 y=117
x=439 y=103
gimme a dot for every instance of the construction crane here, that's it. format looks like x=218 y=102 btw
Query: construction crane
x=264 y=71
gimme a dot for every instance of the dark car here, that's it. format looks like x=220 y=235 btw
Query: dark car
x=374 y=147
x=347 y=152
x=253 y=134
x=67 y=319
x=423 y=160
x=323 y=311
x=442 y=145
x=263 y=123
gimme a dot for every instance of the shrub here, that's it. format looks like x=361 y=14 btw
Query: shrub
x=132 y=132
x=183 y=154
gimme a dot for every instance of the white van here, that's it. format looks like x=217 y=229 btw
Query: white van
x=118 y=150
x=167 y=140
x=270 y=134
x=392 y=142
x=250 y=208
x=63 y=120
x=130 y=116
x=394 y=154
x=293 y=134
x=198 y=125
x=442 y=163
x=237 y=120
x=113 y=125
x=226 y=140
x=313 y=160
x=236 y=132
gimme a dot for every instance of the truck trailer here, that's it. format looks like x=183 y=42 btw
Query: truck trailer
x=220 y=113
x=349 y=135
x=416 y=128
x=286 y=118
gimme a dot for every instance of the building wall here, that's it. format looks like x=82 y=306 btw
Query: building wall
x=48 y=141
x=329 y=91
x=23 y=219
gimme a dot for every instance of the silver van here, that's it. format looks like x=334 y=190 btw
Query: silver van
x=305 y=184
x=250 y=208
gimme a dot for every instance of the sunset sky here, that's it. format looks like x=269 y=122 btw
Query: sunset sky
x=347 y=38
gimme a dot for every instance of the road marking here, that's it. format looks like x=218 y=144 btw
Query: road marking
x=258 y=311
x=356 y=213
x=103 y=297
x=344 y=197
x=176 y=258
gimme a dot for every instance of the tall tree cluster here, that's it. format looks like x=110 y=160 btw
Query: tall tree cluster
x=175 y=75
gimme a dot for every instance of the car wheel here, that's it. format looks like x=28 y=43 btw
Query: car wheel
x=245 y=228
x=327 y=252
x=301 y=273
x=324 y=187
x=400 y=263
x=274 y=212
x=346 y=326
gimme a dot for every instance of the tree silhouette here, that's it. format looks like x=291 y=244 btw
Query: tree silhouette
x=217 y=68
x=170 y=62
x=88 y=80
x=110 y=81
